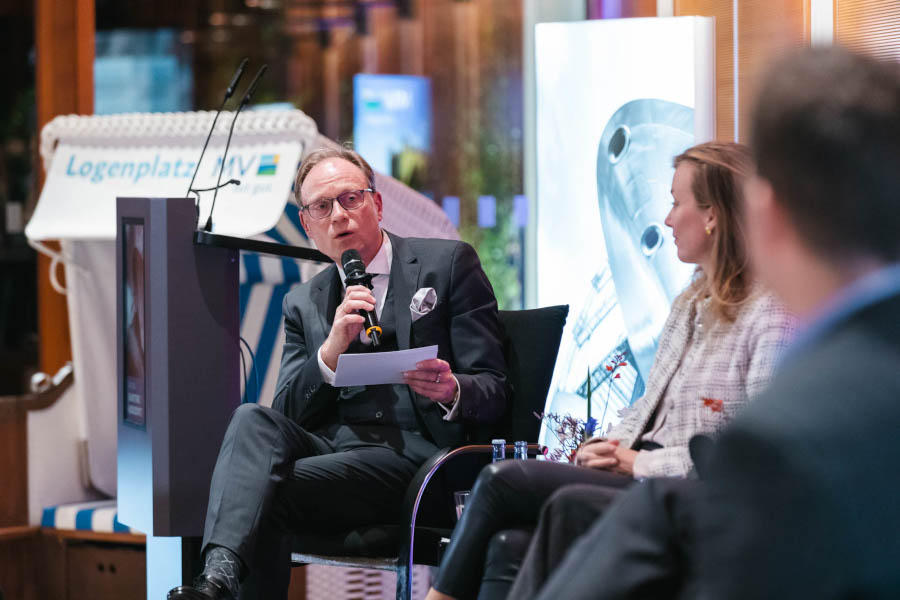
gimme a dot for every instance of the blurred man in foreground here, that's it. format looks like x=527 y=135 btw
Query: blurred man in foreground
x=803 y=488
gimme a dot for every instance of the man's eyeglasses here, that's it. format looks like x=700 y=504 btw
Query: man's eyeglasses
x=319 y=209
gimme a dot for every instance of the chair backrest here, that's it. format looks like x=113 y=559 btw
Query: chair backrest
x=530 y=344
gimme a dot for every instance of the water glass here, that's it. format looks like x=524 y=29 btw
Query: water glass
x=521 y=451
x=499 y=449
x=460 y=499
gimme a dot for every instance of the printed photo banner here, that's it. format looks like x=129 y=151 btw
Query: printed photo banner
x=617 y=100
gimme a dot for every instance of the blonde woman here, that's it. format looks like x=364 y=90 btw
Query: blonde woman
x=717 y=350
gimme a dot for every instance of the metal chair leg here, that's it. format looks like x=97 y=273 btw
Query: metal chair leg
x=404 y=583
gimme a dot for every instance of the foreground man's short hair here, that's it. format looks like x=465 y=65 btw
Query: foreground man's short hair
x=826 y=135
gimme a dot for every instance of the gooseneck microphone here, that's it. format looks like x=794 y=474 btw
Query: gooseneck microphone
x=355 y=272
x=229 y=92
x=221 y=185
x=244 y=102
x=251 y=89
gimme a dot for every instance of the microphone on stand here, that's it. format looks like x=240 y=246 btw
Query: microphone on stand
x=244 y=102
x=355 y=271
x=251 y=89
x=229 y=92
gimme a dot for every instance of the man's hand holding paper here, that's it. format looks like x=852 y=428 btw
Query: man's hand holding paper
x=433 y=379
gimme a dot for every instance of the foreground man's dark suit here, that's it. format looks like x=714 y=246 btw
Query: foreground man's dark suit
x=800 y=491
x=325 y=458
x=804 y=487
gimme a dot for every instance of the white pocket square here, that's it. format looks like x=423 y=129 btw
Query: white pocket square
x=422 y=303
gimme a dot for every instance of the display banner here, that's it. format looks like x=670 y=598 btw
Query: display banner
x=78 y=199
x=617 y=100
x=392 y=124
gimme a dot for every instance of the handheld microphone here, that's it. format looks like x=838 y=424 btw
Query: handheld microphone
x=355 y=271
x=228 y=93
x=244 y=102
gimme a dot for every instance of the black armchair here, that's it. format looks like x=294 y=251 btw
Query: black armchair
x=531 y=342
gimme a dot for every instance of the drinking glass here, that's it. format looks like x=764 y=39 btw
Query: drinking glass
x=460 y=499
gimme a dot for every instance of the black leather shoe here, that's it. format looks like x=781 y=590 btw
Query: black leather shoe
x=204 y=588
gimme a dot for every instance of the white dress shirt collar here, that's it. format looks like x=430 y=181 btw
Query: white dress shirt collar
x=381 y=264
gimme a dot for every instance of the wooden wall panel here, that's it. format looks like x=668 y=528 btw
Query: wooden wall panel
x=331 y=88
x=473 y=55
x=383 y=27
x=869 y=26
x=13 y=469
x=724 y=15
x=341 y=60
x=64 y=39
x=453 y=104
x=411 y=49
x=501 y=142
x=349 y=49
x=306 y=66
x=764 y=28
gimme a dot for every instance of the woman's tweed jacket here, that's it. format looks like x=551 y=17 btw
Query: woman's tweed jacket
x=728 y=364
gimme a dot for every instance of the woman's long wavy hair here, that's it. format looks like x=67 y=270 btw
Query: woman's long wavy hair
x=720 y=170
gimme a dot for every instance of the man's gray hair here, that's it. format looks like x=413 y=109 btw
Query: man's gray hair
x=316 y=156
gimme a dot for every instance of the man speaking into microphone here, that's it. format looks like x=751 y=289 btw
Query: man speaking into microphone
x=332 y=459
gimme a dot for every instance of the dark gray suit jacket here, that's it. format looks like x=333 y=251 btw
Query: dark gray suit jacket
x=804 y=498
x=463 y=324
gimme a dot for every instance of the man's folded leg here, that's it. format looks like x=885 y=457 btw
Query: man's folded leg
x=274 y=477
x=258 y=452
x=333 y=492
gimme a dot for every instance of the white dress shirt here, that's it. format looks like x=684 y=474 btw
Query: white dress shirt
x=380 y=267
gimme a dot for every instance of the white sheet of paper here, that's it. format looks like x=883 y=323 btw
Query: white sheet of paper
x=375 y=368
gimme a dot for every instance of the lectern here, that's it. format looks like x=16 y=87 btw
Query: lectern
x=178 y=375
x=178 y=332
x=178 y=335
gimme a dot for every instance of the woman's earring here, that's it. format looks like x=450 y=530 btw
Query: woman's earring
x=708 y=230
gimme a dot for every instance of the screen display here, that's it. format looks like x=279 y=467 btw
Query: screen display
x=135 y=410
x=392 y=125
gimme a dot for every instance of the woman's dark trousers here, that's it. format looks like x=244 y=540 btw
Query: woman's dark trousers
x=507 y=497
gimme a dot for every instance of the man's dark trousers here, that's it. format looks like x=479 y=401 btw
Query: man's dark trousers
x=803 y=485
x=273 y=477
